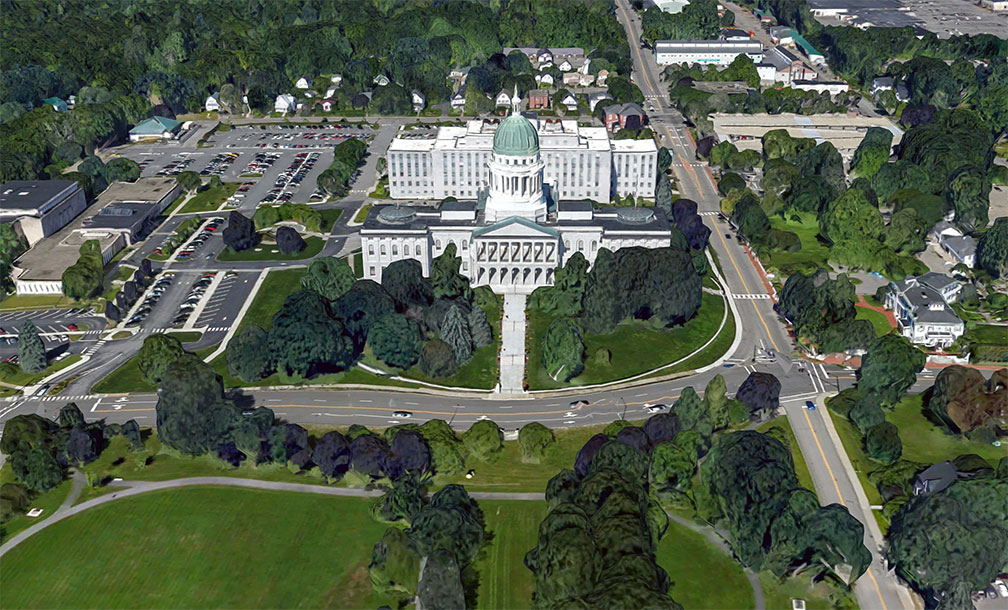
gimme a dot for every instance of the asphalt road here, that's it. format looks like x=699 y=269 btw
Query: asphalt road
x=823 y=455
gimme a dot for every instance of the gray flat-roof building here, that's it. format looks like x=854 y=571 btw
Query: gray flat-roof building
x=39 y=208
x=709 y=52
x=131 y=207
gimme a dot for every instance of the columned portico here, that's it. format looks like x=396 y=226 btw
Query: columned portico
x=515 y=255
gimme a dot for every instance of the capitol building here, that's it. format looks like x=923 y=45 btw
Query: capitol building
x=511 y=236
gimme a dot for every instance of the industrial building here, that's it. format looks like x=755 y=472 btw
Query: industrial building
x=706 y=52
x=131 y=208
x=39 y=208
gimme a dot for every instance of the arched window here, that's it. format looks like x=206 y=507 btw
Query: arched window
x=567 y=244
x=593 y=245
x=580 y=245
x=370 y=249
x=395 y=250
x=405 y=250
x=383 y=249
x=437 y=244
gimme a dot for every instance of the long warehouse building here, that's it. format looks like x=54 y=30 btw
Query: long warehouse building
x=708 y=52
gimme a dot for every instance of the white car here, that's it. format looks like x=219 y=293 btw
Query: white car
x=654 y=407
x=402 y=414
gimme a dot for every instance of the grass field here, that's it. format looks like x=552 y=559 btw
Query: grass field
x=329 y=217
x=10 y=373
x=927 y=443
x=185 y=336
x=125 y=378
x=778 y=595
x=202 y=548
x=271 y=295
x=270 y=252
x=702 y=575
x=48 y=502
x=39 y=301
x=878 y=320
x=210 y=200
x=504 y=581
x=813 y=252
x=635 y=346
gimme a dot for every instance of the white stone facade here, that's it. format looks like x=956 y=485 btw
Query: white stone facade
x=578 y=162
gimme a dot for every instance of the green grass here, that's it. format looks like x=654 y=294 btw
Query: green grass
x=362 y=213
x=270 y=252
x=39 y=301
x=993 y=334
x=878 y=320
x=202 y=548
x=813 y=252
x=125 y=378
x=329 y=218
x=270 y=297
x=504 y=581
x=851 y=439
x=778 y=595
x=801 y=468
x=210 y=199
x=635 y=346
x=358 y=264
x=695 y=566
x=13 y=374
x=48 y=502
x=928 y=443
x=185 y=336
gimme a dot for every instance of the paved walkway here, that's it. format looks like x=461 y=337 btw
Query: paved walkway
x=512 y=355
x=133 y=488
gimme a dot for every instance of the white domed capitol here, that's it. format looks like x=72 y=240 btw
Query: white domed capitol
x=508 y=234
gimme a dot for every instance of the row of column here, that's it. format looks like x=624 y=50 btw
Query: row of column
x=527 y=252
x=521 y=186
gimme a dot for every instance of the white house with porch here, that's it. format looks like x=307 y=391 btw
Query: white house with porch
x=511 y=238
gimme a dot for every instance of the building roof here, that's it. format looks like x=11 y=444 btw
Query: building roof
x=627 y=109
x=54 y=101
x=805 y=45
x=144 y=190
x=962 y=245
x=734 y=32
x=31 y=196
x=513 y=220
x=574 y=206
x=516 y=136
x=938 y=281
x=708 y=46
x=937 y=477
x=928 y=304
x=155 y=126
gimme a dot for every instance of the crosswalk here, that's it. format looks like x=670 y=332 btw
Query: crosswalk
x=689 y=164
x=61 y=398
x=708 y=213
x=94 y=348
x=751 y=296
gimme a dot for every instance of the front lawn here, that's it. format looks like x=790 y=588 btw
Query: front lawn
x=329 y=218
x=39 y=301
x=635 y=346
x=270 y=252
x=201 y=547
x=362 y=213
x=271 y=295
x=878 y=320
x=210 y=199
x=702 y=575
x=928 y=443
x=813 y=253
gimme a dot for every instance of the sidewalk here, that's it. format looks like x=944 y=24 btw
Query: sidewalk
x=512 y=355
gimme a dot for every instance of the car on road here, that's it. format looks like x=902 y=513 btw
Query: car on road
x=42 y=391
x=71 y=327
x=577 y=404
x=654 y=407
x=810 y=405
x=402 y=414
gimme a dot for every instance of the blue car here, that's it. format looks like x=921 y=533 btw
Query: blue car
x=810 y=405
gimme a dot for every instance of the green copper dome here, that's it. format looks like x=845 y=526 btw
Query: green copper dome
x=516 y=136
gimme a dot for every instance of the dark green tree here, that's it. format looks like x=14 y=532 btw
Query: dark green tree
x=157 y=352
x=535 y=440
x=248 y=354
x=395 y=340
x=192 y=415
x=563 y=349
x=328 y=277
x=37 y=469
x=479 y=328
x=403 y=280
x=440 y=586
x=445 y=278
x=395 y=564
x=889 y=368
x=872 y=152
x=992 y=249
x=882 y=443
x=305 y=341
x=437 y=359
x=122 y=169
x=189 y=181
x=455 y=332
x=31 y=350
x=483 y=440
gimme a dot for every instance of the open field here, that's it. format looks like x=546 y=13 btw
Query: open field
x=40 y=301
x=210 y=199
x=635 y=346
x=48 y=502
x=702 y=575
x=927 y=443
x=272 y=293
x=11 y=373
x=166 y=550
x=504 y=581
x=878 y=320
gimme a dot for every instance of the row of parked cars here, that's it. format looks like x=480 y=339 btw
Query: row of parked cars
x=151 y=299
x=175 y=167
x=220 y=163
x=290 y=179
x=193 y=298
x=195 y=243
x=261 y=162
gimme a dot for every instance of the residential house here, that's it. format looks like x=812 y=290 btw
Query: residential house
x=503 y=98
x=381 y=80
x=544 y=80
x=337 y=79
x=948 y=287
x=458 y=98
x=71 y=101
x=303 y=83
x=959 y=246
x=57 y=104
x=328 y=104
x=935 y=478
x=574 y=64
x=887 y=83
x=734 y=34
x=285 y=102
x=571 y=79
x=602 y=77
x=922 y=312
x=538 y=99
x=155 y=127
x=544 y=58
x=419 y=100
x=781 y=34
x=620 y=116
x=311 y=93
x=331 y=91
x=595 y=98
x=212 y=103
x=570 y=102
